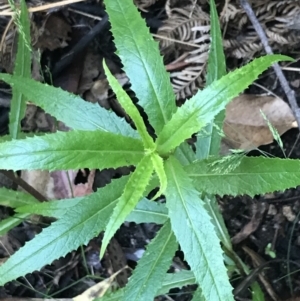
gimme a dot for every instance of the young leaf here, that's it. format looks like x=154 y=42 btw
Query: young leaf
x=196 y=234
x=194 y=114
x=184 y=154
x=22 y=68
x=130 y=109
x=209 y=139
x=71 y=150
x=142 y=62
x=69 y=108
x=133 y=192
x=158 y=165
x=147 y=277
x=252 y=176
x=15 y=199
x=79 y=225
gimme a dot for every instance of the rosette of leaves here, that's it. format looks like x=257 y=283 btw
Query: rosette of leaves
x=100 y=139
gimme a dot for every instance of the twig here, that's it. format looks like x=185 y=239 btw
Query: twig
x=24 y=185
x=290 y=94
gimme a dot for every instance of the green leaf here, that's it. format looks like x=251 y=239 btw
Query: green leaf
x=145 y=211
x=11 y=222
x=142 y=62
x=175 y=280
x=71 y=150
x=69 y=108
x=194 y=114
x=184 y=154
x=198 y=295
x=257 y=293
x=130 y=109
x=79 y=225
x=209 y=139
x=216 y=67
x=148 y=212
x=253 y=176
x=55 y=209
x=22 y=68
x=212 y=208
x=158 y=165
x=196 y=234
x=15 y=199
x=147 y=277
x=133 y=192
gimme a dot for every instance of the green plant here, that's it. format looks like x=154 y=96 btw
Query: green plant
x=189 y=180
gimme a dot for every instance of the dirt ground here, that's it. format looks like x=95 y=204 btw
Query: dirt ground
x=265 y=230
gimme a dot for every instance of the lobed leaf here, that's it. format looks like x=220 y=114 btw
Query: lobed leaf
x=254 y=175
x=79 y=225
x=71 y=150
x=130 y=109
x=69 y=108
x=22 y=69
x=196 y=234
x=147 y=277
x=195 y=113
x=133 y=192
x=142 y=62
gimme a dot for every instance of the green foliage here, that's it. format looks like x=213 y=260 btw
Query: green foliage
x=146 y=279
x=196 y=234
x=252 y=176
x=22 y=68
x=209 y=139
x=83 y=222
x=100 y=139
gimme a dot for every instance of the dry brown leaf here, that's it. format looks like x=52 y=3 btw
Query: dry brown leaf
x=54 y=33
x=56 y=185
x=244 y=125
x=98 y=290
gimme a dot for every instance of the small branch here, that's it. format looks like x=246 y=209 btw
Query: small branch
x=24 y=185
x=290 y=94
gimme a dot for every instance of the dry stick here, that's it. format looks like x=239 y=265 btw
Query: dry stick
x=290 y=94
x=9 y=174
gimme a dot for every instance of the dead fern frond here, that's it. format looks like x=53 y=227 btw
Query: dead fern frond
x=186 y=62
x=144 y=4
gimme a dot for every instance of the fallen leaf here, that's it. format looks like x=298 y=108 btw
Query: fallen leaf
x=54 y=33
x=244 y=125
x=98 y=290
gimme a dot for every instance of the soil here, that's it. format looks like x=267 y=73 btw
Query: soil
x=273 y=219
